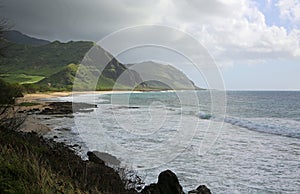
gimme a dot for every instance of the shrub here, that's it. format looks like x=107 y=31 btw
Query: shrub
x=9 y=92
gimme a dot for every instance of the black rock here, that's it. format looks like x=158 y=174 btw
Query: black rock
x=167 y=184
x=202 y=189
x=107 y=158
x=63 y=108
x=94 y=158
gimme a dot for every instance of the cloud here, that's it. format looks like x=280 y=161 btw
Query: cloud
x=76 y=19
x=290 y=9
x=233 y=31
x=236 y=31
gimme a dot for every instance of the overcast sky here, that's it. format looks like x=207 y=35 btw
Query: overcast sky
x=255 y=43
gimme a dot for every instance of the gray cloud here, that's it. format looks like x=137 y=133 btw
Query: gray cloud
x=73 y=19
x=229 y=29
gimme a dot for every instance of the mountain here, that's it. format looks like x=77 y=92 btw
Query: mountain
x=42 y=60
x=162 y=76
x=19 y=38
x=54 y=66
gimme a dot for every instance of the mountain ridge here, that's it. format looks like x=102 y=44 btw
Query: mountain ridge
x=20 y=38
x=54 y=66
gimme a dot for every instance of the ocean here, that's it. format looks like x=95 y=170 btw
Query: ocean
x=253 y=147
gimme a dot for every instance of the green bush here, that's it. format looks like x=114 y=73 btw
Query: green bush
x=9 y=92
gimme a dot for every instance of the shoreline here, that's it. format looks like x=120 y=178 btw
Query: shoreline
x=46 y=95
x=38 y=102
x=54 y=167
x=33 y=124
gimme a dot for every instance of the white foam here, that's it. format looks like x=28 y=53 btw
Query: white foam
x=276 y=126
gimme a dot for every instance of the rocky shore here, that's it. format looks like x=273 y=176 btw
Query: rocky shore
x=89 y=175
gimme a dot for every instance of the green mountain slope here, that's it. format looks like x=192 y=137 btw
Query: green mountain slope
x=54 y=66
x=64 y=80
x=42 y=60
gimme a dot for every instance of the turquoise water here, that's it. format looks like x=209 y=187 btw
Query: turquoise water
x=253 y=148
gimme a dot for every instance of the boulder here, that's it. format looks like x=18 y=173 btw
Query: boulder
x=94 y=158
x=107 y=158
x=167 y=184
x=202 y=189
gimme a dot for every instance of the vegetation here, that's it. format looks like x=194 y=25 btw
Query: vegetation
x=163 y=77
x=42 y=60
x=8 y=116
x=53 y=67
x=21 y=78
x=9 y=92
x=25 y=172
x=31 y=164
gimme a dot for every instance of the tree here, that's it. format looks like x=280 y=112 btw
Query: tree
x=8 y=93
x=3 y=27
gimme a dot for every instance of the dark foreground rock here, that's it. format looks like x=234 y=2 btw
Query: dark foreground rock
x=103 y=157
x=202 y=189
x=167 y=184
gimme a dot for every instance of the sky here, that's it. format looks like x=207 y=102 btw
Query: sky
x=255 y=44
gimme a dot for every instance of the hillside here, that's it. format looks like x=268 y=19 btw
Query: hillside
x=162 y=76
x=42 y=60
x=53 y=66
x=19 y=38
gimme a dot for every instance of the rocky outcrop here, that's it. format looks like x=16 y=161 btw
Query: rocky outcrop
x=202 y=189
x=106 y=158
x=57 y=108
x=167 y=184
x=94 y=158
x=31 y=124
x=67 y=108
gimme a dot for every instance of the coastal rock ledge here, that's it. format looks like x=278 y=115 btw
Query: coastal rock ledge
x=168 y=184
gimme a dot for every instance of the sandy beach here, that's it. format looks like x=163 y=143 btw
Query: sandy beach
x=38 y=96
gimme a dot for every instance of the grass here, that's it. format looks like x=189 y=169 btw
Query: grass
x=21 y=78
x=24 y=172
x=30 y=164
